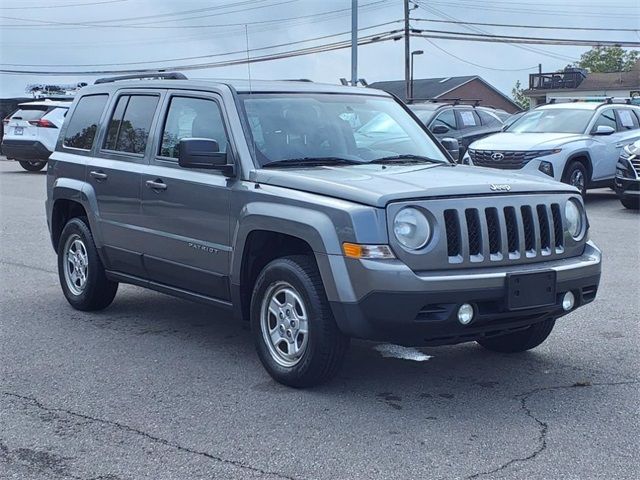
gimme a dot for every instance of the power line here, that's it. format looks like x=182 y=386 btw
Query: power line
x=525 y=40
x=376 y=38
x=40 y=7
x=478 y=65
x=460 y=22
x=200 y=57
x=550 y=41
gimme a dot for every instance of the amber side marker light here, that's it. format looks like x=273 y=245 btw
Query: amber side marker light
x=355 y=250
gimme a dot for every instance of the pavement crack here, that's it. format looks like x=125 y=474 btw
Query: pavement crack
x=30 y=267
x=543 y=427
x=148 y=436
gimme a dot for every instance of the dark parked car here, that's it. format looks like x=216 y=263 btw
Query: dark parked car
x=465 y=123
x=627 y=183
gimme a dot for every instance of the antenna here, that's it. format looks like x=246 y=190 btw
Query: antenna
x=246 y=35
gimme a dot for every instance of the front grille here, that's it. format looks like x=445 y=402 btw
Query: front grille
x=504 y=233
x=635 y=163
x=510 y=160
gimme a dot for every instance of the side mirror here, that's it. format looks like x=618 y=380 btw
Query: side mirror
x=439 y=129
x=604 y=130
x=203 y=153
x=452 y=146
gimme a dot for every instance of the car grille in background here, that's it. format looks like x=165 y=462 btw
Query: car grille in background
x=505 y=233
x=635 y=163
x=510 y=160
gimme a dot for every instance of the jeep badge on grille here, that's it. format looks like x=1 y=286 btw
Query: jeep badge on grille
x=500 y=187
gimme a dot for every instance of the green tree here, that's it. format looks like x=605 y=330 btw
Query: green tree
x=608 y=59
x=517 y=93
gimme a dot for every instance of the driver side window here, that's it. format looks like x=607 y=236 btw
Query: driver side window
x=606 y=118
x=192 y=118
x=446 y=118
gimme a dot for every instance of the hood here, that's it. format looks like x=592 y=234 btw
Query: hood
x=526 y=141
x=378 y=185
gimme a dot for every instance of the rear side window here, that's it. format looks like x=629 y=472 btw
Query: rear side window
x=35 y=112
x=192 y=118
x=83 y=125
x=468 y=119
x=130 y=123
x=488 y=119
x=628 y=121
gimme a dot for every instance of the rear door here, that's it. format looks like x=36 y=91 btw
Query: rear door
x=186 y=211
x=115 y=173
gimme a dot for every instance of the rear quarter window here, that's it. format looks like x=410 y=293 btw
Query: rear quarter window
x=84 y=121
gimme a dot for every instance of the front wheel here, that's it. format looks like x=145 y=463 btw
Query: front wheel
x=631 y=203
x=576 y=176
x=296 y=336
x=82 y=276
x=519 y=341
x=32 y=165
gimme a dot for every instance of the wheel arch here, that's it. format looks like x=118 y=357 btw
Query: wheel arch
x=69 y=199
x=583 y=157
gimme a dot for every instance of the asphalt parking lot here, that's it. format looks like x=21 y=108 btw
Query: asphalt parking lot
x=159 y=388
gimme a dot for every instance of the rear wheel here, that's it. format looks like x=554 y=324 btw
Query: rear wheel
x=519 y=341
x=32 y=165
x=82 y=276
x=576 y=176
x=631 y=203
x=296 y=336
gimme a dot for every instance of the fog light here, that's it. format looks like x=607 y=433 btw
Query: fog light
x=465 y=314
x=546 y=167
x=568 y=301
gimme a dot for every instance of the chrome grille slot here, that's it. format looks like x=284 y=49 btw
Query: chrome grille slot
x=512 y=231
x=529 y=232
x=557 y=228
x=493 y=226
x=545 y=231
x=452 y=227
x=635 y=163
x=474 y=231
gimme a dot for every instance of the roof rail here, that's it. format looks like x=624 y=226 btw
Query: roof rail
x=142 y=76
x=602 y=100
x=451 y=101
x=297 y=80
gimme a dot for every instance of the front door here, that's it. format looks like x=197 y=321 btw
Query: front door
x=186 y=211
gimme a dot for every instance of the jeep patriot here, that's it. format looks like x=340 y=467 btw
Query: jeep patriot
x=263 y=198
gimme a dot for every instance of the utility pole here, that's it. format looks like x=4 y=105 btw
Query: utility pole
x=407 y=49
x=354 y=42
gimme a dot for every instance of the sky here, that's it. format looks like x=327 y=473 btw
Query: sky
x=86 y=35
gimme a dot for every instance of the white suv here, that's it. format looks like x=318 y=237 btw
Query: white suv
x=577 y=143
x=31 y=132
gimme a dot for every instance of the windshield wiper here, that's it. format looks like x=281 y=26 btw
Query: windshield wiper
x=311 y=162
x=406 y=159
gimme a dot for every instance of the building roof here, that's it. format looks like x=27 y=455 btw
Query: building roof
x=433 y=88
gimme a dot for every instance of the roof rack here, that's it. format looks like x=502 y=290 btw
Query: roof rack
x=453 y=101
x=143 y=76
x=601 y=100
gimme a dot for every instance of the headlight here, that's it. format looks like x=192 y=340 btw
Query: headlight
x=411 y=228
x=574 y=215
x=632 y=149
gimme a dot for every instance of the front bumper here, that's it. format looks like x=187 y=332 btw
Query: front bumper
x=396 y=304
x=627 y=187
x=25 y=150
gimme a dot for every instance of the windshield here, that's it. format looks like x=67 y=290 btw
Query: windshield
x=355 y=128
x=552 y=120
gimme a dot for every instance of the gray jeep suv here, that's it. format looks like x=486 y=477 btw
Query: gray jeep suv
x=257 y=198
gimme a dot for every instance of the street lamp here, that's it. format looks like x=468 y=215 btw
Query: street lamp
x=415 y=52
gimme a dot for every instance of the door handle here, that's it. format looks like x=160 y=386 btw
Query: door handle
x=98 y=175
x=156 y=184
x=620 y=145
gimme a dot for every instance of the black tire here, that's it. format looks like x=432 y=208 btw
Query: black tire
x=32 y=165
x=326 y=344
x=631 y=203
x=574 y=171
x=98 y=291
x=519 y=341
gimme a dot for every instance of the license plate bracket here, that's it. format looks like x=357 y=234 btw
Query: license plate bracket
x=530 y=290
x=18 y=130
